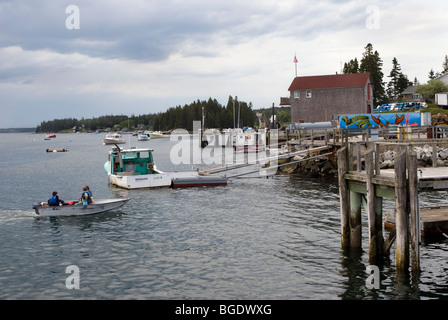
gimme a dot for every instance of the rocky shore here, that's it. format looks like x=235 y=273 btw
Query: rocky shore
x=327 y=166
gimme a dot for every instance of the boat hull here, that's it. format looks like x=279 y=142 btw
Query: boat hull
x=166 y=179
x=98 y=206
x=140 y=181
x=113 y=141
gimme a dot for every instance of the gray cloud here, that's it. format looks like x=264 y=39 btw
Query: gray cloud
x=152 y=30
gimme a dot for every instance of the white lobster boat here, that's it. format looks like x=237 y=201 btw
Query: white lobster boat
x=75 y=208
x=135 y=168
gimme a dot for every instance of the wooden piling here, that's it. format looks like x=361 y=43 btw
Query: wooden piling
x=374 y=212
x=414 y=211
x=355 y=219
x=344 y=197
x=401 y=218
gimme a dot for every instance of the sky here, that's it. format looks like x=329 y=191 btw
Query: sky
x=88 y=58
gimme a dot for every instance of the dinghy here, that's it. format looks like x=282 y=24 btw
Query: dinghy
x=75 y=208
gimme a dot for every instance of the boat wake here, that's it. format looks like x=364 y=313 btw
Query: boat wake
x=13 y=215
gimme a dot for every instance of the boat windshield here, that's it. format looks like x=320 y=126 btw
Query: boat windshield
x=129 y=155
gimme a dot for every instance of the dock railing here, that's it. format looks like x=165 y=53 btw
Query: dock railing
x=341 y=136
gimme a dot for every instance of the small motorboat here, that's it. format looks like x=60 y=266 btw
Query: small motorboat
x=113 y=138
x=57 y=150
x=75 y=208
x=50 y=136
x=144 y=137
x=157 y=135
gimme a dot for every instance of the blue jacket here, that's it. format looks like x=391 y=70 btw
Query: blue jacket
x=53 y=201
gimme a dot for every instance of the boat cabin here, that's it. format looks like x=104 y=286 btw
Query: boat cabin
x=131 y=161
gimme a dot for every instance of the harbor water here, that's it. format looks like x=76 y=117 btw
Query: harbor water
x=275 y=238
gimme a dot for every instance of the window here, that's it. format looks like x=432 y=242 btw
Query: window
x=308 y=93
x=296 y=94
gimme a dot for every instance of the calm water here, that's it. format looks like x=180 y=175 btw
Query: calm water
x=256 y=238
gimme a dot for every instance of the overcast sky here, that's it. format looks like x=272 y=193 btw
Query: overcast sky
x=137 y=57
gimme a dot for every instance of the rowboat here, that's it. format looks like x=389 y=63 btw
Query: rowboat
x=75 y=208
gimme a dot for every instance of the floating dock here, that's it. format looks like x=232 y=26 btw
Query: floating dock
x=433 y=221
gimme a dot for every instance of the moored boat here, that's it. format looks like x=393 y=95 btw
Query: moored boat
x=50 y=136
x=75 y=208
x=134 y=168
x=57 y=150
x=250 y=141
x=143 y=137
x=157 y=134
x=113 y=138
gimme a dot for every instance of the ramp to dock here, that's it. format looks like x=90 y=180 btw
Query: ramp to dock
x=261 y=167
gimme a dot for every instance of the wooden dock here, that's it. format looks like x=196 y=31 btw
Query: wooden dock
x=363 y=184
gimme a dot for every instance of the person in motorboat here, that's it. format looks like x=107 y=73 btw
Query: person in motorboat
x=90 y=192
x=85 y=197
x=54 y=200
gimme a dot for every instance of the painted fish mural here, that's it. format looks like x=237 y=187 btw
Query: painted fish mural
x=373 y=121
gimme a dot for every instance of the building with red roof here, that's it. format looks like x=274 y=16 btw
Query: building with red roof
x=319 y=98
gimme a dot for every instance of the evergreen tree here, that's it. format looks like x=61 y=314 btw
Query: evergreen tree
x=445 y=65
x=351 y=67
x=431 y=75
x=371 y=62
x=398 y=82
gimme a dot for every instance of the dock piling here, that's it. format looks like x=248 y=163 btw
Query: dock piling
x=344 y=196
x=401 y=217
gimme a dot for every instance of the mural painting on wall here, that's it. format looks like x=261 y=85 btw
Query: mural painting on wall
x=370 y=121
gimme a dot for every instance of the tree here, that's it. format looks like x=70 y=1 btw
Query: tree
x=445 y=65
x=351 y=67
x=398 y=82
x=371 y=62
x=429 y=90
x=431 y=75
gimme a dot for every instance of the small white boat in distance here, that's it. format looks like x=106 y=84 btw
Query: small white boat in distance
x=113 y=138
x=78 y=209
x=157 y=134
x=143 y=137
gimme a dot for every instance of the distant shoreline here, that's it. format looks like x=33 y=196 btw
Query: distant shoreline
x=18 y=130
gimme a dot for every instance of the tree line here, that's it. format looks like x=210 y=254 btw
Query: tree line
x=384 y=92
x=235 y=113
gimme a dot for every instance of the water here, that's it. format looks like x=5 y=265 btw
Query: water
x=256 y=238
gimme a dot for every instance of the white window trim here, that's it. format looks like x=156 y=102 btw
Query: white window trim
x=296 y=94
x=308 y=94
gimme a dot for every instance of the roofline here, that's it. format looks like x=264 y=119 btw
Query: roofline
x=368 y=74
